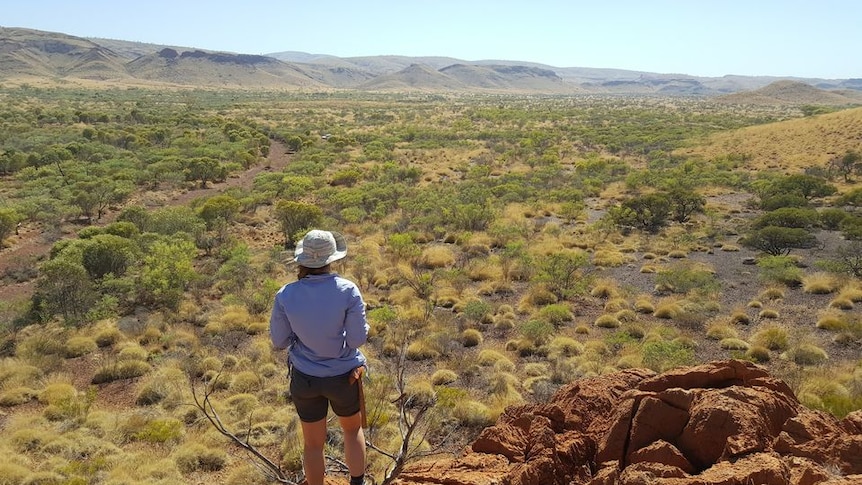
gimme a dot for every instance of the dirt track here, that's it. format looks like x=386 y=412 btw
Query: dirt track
x=34 y=242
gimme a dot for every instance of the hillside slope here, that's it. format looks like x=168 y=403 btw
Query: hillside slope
x=792 y=92
x=789 y=145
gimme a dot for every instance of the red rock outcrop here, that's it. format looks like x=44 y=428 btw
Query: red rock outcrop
x=722 y=423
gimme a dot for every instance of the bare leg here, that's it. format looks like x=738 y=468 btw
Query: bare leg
x=354 y=443
x=313 y=438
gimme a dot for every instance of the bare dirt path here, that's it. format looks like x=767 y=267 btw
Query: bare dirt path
x=34 y=242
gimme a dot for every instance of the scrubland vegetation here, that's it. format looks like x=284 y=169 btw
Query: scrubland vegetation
x=505 y=246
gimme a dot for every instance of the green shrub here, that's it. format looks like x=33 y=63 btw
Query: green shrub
x=125 y=369
x=195 y=456
x=538 y=332
x=779 y=269
x=161 y=430
x=661 y=356
x=557 y=314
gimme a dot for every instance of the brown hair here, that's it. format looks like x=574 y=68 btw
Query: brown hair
x=303 y=271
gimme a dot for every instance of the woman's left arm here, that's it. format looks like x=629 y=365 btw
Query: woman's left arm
x=280 y=331
x=355 y=324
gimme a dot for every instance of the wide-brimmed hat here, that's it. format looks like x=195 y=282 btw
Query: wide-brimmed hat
x=319 y=248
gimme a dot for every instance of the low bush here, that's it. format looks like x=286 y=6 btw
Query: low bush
x=820 y=284
x=667 y=310
x=721 y=331
x=471 y=337
x=733 y=344
x=79 y=346
x=841 y=303
x=472 y=414
x=807 y=354
x=125 y=369
x=443 y=376
x=490 y=357
x=757 y=353
x=556 y=314
x=662 y=355
x=197 y=457
x=768 y=313
x=772 y=338
x=607 y=321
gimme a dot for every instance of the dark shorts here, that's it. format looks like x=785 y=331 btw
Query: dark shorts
x=312 y=396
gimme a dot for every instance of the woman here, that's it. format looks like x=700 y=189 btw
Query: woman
x=320 y=319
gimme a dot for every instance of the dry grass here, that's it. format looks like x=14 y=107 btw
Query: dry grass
x=607 y=321
x=438 y=256
x=768 y=313
x=820 y=283
x=667 y=310
x=644 y=305
x=605 y=289
x=806 y=354
x=789 y=145
x=721 y=331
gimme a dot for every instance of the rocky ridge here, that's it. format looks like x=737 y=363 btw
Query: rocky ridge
x=721 y=423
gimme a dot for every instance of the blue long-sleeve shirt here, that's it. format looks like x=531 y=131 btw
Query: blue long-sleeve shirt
x=321 y=320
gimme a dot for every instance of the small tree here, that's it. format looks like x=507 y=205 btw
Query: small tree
x=64 y=287
x=788 y=217
x=295 y=217
x=646 y=212
x=561 y=271
x=777 y=241
x=219 y=207
x=847 y=165
x=9 y=219
x=107 y=253
x=849 y=258
x=808 y=186
x=204 y=169
x=685 y=203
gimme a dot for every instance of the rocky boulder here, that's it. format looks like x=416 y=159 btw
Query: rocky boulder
x=722 y=423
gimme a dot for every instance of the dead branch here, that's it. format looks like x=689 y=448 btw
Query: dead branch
x=267 y=466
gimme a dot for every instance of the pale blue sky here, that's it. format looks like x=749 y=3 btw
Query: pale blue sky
x=817 y=38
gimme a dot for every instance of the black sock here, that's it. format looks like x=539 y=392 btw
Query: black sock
x=360 y=480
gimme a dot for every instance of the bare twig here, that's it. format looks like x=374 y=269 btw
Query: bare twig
x=204 y=404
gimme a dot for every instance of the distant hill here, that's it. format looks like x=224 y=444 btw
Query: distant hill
x=27 y=55
x=793 y=92
x=791 y=145
x=219 y=69
x=25 y=52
